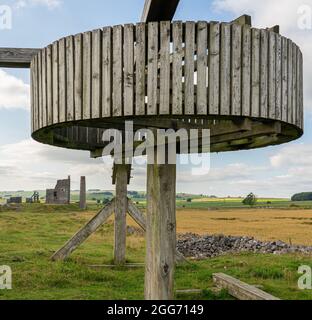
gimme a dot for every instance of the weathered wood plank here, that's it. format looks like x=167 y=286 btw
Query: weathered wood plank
x=278 y=77
x=294 y=83
x=245 y=19
x=136 y=215
x=178 y=53
x=214 y=63
x=40 y=89
x=236 y=70
x=202 y=61
x=140 y=68
x=62 y=81
x=55 y=85
x=17 y=57
x=301 y=106
x=107 y=76
x=87 y=76
x=85 y=232
x=121 y=205
x=246 y=71
x=70 y=78
x=239 y=289
x=298 y=88
x=159 y=10
x=96 y=73
x=255 y=73
x=264 y=73
x=128 y=54
x=164 y=105
x=290 y=81
x=32 y=95
x=160 y=232
x=117 y=71
x=189 y=91
x=49 y=86
x=225 y=69
x=272 y=75
x=152 y=76
x=78 y=81
x=44 y=87
x=284 y=79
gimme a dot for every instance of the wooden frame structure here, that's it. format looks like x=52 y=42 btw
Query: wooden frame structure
x=243 y=83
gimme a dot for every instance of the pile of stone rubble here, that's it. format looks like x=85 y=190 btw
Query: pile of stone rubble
x=208 y=246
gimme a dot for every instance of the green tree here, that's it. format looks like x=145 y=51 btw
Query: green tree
x=250 y=200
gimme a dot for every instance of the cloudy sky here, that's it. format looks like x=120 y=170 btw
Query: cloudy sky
x=25 y=164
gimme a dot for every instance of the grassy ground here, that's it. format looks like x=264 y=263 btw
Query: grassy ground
x=29 y=237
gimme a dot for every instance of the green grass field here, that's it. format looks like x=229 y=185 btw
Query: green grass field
x=29 y=237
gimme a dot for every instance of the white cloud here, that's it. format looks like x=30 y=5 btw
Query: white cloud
x=267 y=13
x=14 y=93
x=51 y=4
x=294 y=156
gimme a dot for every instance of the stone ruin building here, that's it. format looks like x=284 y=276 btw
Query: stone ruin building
x=60 y=194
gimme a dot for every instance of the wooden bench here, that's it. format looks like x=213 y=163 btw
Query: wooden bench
x=239 y=289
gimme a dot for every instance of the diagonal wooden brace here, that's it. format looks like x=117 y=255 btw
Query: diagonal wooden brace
x=85 y=232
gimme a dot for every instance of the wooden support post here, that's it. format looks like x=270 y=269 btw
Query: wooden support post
x=121 y=207
x=83 y=199
x=160 y=232
x=85 y=232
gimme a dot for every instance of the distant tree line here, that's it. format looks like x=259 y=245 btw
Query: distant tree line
x=303 y=196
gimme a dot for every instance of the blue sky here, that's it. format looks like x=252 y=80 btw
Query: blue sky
x=24 y=164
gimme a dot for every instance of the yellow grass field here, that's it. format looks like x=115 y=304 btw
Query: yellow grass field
x=264 y=224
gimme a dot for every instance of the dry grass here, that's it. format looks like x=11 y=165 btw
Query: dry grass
x=263 y=224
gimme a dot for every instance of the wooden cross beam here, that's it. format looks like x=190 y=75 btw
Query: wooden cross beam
x=16 y=57
x=159 y=10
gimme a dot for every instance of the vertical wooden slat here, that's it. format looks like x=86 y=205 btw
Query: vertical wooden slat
x=272 y=75
x=189 y=68
x=32 y=94
x=34 y=70
x=78 y=81
x=62 y=81
x=96 y=73
x=284 y=79
x=246 y=72
x=177 y=87
x=117 y=71
x=278 y=77
x=264 y=73
x=164 y=105
x=87 y=76
x=128 y=53
x=255 y=73
x=294 y=83
x=70 y=78
x=55 y=83
x=107 y=72
x=236 y=69
x=301 y=91
x=202 y=47
x=40 y=110
x=225 y=69
x=214 y=67
x=49 y=86
x=152 y=77
x=44 y=87
x=37 y=92
x=140 y=68
x=290 y=82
